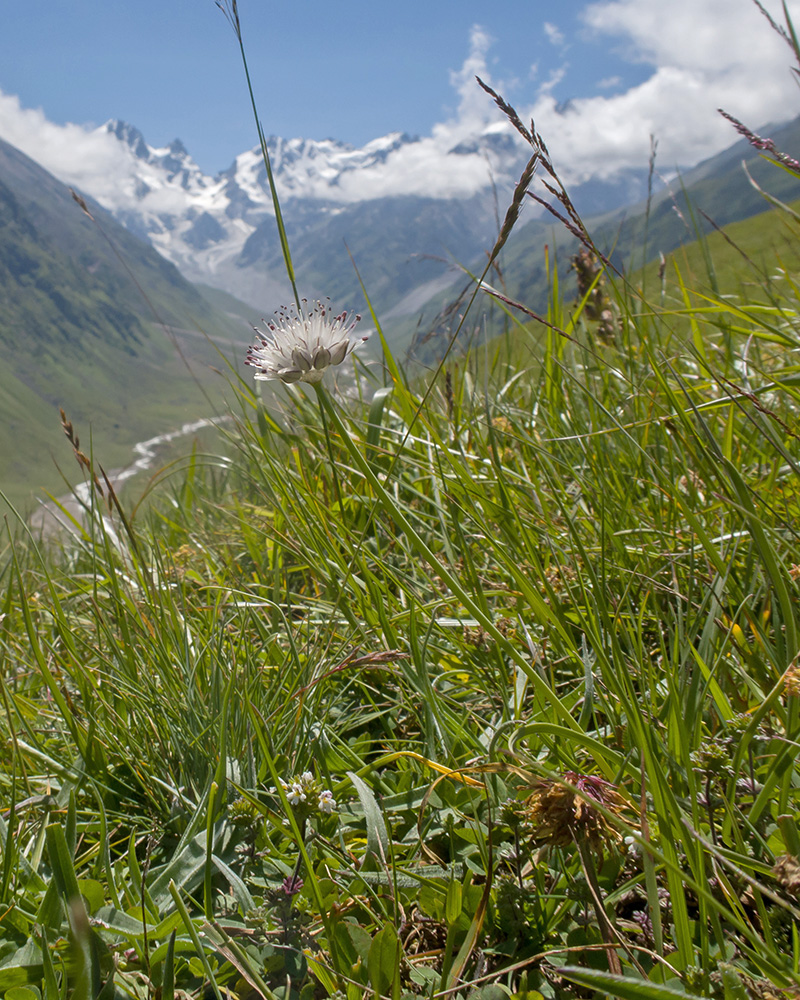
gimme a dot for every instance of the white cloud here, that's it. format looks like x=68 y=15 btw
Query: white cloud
x=702 y=54
x=91 y=160
x=428 y=166
x=554 y=35
x=552 y=81
x=100 y=165
x=705 y=54
x=714 y=35
x=79 y=156
x=474 y=110
x=609 y=82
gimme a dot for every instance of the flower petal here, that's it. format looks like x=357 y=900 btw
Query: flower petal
x=301 y=359
x=300 y=344
x=339 y=352
x=321 y=357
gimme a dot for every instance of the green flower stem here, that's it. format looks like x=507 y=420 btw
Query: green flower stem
x=192 y=931
x=284 y=240
x=334 y=473
x=388 y=504
x=607 y=932
x=301 y=847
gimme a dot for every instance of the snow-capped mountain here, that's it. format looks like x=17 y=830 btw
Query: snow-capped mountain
x=194 y=220
x=398 y=194
x=401 y=208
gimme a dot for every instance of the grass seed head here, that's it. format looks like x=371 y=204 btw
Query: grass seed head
x=791 y=680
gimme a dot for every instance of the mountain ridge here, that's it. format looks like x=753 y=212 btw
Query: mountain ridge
x=713 y=194
x=220 y=230
x=75 y=330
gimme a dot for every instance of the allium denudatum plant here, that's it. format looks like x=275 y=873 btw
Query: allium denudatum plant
x=300 y=345
x=531 y=625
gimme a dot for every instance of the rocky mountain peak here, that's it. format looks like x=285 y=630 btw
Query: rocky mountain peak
x=130 y=135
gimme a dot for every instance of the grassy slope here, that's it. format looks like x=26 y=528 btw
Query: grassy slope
x=572 y=571
x=230 y=306
x=745 y=258
x=114 y=399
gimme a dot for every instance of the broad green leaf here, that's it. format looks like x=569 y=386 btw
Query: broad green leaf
x=377 y=837
x=182 y=946
x=323 y=974
x=185 y=870
x=384 y=959
x=623 y=987
x=240 y=890
x=23 y=993
x=168 y=975
x=452 y=904
x=93 y=893
x=61 y=863
x=732 y=984
x=123 y=923
x=21 y=967
x=51 y=909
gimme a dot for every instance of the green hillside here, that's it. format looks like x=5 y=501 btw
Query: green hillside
x=94 y=321
x=747 y=258
x=234 y=309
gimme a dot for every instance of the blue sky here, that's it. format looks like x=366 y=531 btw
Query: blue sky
x=599 y=77
x=350 y=71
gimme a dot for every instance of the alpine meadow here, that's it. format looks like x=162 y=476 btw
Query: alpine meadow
x=460 y=662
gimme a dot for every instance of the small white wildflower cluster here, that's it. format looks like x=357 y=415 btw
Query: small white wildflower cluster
x=300 y=345
x=327 y=803
x=304 y=792
x=632 y=846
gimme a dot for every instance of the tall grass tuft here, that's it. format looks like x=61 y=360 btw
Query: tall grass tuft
x=476 y=687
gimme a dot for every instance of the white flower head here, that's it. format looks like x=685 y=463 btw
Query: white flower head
x=327 y=803
x=295 y=794
x=299 y=345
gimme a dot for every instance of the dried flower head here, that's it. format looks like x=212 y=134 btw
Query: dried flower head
x=791 y=680
x=300 y=345
x=591 y=289
x=787 y=872
x=560 y=816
